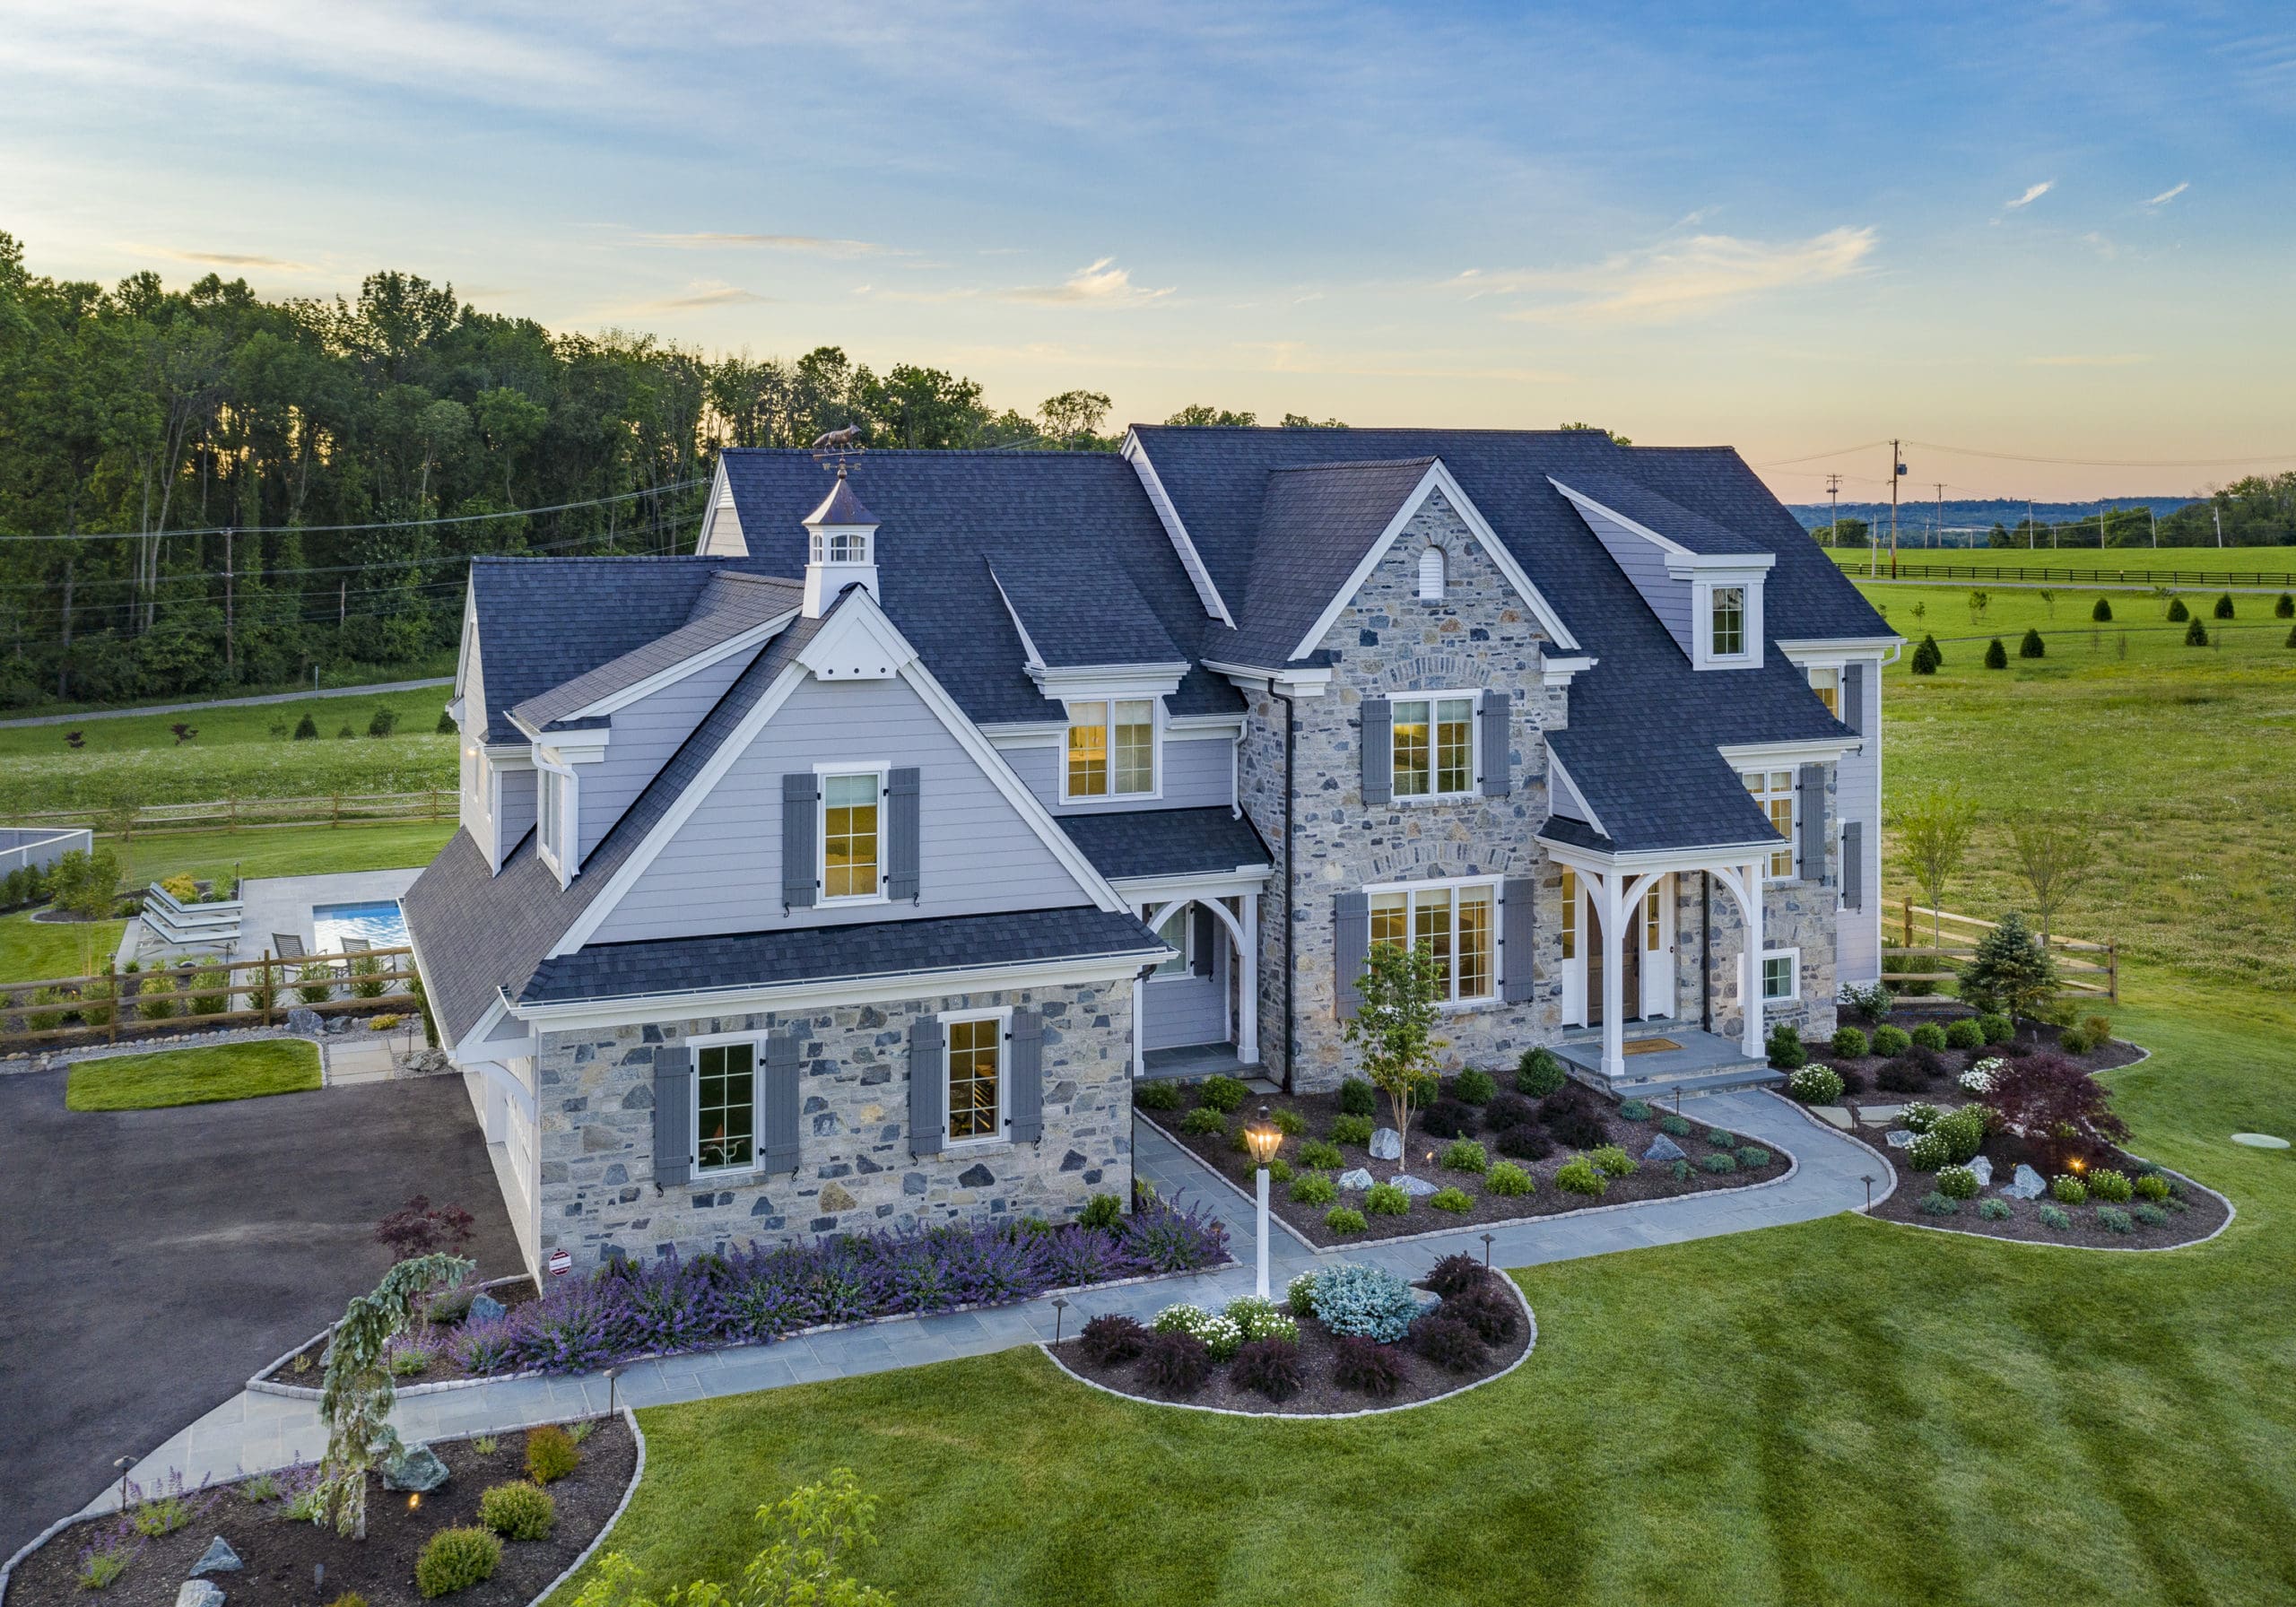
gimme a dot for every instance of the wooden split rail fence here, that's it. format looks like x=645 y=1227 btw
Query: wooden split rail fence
x=2084 y=969
x=233 y=814
x=243 y=993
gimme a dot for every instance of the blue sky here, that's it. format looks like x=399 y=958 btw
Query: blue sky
x=2059 y=231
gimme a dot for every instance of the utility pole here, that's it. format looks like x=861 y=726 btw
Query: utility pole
x=2215 y=512
x=1937 y=521
x=230 y=637
x=1897 y=472
x=2032 y=527
x=1833 y=490
x=2151 y=514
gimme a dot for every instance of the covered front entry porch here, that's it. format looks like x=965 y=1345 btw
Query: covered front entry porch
x=1622 y=948
x=1198 y=1013
x=1665 y=1057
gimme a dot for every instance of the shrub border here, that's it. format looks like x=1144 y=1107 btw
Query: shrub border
x=1521 y=1298
x=637 y=1476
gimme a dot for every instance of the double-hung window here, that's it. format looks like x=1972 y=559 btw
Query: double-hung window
x=1825 y=679
x=1728 y=638
x=1457 y=923
x=976 y=1060
x=1774 y=791
x=1178 y=930
x=1434 y=746
x=1111 y=748
x=724 y=1108
x=1570 y=913
x=554 y=818
x=852 y=860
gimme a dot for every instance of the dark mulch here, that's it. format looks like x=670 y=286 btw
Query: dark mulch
x=302 y=1368
x=1652 y=1182
x=1861 y=1075
x=2194 y=1214
x=1320 y=1395
x=281 y=1553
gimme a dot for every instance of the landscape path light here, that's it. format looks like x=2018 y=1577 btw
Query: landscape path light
x=1263 y=1137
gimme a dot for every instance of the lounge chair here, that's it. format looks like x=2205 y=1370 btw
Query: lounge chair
x=286 y=945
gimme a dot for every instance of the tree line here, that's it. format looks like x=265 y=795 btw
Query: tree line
x=200 y=488
x=2258 y=510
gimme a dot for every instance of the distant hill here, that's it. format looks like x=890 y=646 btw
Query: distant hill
x=1968 y=522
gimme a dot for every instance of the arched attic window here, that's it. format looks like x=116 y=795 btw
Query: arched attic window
x=1431 y=575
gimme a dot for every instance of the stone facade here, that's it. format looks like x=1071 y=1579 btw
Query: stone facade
x=595 y=1103
x=1388 y=643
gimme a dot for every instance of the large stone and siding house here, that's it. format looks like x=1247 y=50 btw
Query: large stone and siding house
x=849 y=871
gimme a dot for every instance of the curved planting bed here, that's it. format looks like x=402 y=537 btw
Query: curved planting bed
x=1346 y=1340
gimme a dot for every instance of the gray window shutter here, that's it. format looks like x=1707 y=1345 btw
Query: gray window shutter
x=673 y=1116
x=801 y=809
x=1518 y=931
x=1024 y=1075
x=1379 y=750
x=777 y=1147
x=1205 y=936
x=1853 y=696
x=1352 y=943
x=929 y=1088
x=903 y=853
x=1813 y=823
x=1498 y=773
x=1853 y=865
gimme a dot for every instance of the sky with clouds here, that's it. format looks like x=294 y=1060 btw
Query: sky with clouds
x=2059 y=231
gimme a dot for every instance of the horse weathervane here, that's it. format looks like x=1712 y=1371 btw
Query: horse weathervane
x=840 y=446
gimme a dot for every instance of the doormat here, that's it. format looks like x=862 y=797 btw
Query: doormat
x=1649 y=1046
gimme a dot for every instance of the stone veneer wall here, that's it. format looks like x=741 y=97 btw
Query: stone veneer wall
x=1386 y=642
x=1794 y=914
x=596 y=1100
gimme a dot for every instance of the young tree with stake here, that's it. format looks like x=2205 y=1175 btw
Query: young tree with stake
x=2055 y=855
x=1393 y=1029
x=1935 y=830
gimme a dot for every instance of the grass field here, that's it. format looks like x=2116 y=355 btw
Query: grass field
x=2213 y=560
x=239 y=752
x=2180 y=756
x=1845 y=1411
x=38 y=950
x=248 y=1071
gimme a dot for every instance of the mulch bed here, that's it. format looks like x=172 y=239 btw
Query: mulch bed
x=1651 y=1182
x=1320 y=1395
x=281 y=1553
x=1861 y=1075
x=441 y=1368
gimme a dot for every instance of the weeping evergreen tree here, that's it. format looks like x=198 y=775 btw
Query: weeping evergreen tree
x=356 y=1393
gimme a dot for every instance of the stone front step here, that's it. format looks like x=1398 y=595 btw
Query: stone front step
x=1753 y=1073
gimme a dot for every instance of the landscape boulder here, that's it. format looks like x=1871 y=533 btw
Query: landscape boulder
x=217 y=1559
x=1357 y=1180
x=416 y=1468
x=1898 y=1138
x=1387 y=1145
x=1417 y=1187
x=1662 y=1149
x=199 y=1593
x=1983 y=1167
x=305 y=1021
x=484 y=1308
x=2027 y=1184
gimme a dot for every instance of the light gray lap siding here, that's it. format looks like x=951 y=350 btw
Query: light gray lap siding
x=644 y=736
x=1858 y=797
x=1188 y=1009
x=721 y=873
x=1198 y=772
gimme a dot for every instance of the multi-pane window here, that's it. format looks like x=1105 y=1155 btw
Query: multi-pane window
x=976 y=1067
x=1175 y=931
x=1434 y=746
x=1570 y=914
x=1826 y=681
x=840 y=546
x=1456 y=922
x=1779 y=974
x=1728 y=638
x=724 y=1096
x=554 y=818
x=849 y=835
x=1774 y=791
x=1650 y=922
x=1112 y=748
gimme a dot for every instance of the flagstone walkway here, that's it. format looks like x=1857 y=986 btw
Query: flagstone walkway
x=253 y=1431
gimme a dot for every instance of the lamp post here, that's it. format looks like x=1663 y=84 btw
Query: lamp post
x=1264 y=1138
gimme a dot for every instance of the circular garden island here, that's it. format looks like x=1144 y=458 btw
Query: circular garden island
x=2002 y=1132
x=1477 y=1153
x=1344 y=1340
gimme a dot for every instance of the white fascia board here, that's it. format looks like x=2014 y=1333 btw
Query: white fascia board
x=1136 y=454
x=1720 y=566
x=1557 y=671
x=857 y=643
x=748 y=640
x=1037 y=733
x=1110 y=680
x=585 y=1014
x=469 y=644
x=1812 y=649
x=1291 y=682
x=1760 y=755
x=1013 y=735
x=1204 y=725
x=1031 y=660
x=568 y=747
x=1726 y=857
x=721 y=495
x=1588 y=504
x=510 y=756
x=1558 y=771
x=1438 y=478
x=455 y=709
x=1244 y=880
x=1681 y=561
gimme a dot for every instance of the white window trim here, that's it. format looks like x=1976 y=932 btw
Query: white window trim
x=718 y=1040
x=883 y=771
x=1474 y=788
x=1186 y=916
x=1497 y=885
x=569 y=823
x=1793 y=996
x=1770 y=875
x=1155 y=748
x=1703 y=656
x=1003 y=1017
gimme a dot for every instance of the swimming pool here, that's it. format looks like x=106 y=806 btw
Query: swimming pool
x=383 y=924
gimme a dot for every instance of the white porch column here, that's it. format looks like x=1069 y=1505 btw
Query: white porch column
x=1754 y=1045
x=1248 y=983
x=1614 y=915
x=1139 y=1024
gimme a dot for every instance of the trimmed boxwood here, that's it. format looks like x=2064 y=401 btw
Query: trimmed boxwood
x=1357 y=1097
x=1344 y=1219
x=454 y=1560
x=1538 y=1073
x=1890 y=1040
x=1850 y=1044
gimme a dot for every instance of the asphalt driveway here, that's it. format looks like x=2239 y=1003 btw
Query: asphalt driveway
x=155 y=1259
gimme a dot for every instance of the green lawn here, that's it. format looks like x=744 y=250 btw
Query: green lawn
x=38 y=950
x=245 y=753
x=243 y=1071
x=291 y=850
x=2213 y=560
x=1845 y=1410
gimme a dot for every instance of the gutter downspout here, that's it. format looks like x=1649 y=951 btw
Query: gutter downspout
x=1706 y=951
x=1291 y=912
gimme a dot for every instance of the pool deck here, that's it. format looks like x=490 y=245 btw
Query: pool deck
x=276 y=904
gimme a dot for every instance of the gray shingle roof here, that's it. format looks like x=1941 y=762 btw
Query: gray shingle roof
x=729 y=603
x=877 y=949
x=1166 y=842
x=1669 y=518
x=1115 y=626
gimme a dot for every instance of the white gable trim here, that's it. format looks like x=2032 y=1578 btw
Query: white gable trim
x=721 y=495
x=1034 y=661
x=1560 y=774
x=748 y=640
x=470 y=644
x=1206 y=592
x=1438 y=478
x=858 y=642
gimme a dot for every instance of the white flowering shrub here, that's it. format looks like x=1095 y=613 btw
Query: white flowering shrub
x=1223 y=1336
x=1815 y=1084
x=1978 y=1077
x=1921 y=1117
x=1300 y=1295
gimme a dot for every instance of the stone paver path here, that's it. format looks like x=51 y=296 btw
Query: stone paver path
x=255 y=1432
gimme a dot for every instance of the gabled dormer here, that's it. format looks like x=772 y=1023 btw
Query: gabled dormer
x=1703 y=580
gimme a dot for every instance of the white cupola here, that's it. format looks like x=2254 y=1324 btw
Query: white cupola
x=841 y=548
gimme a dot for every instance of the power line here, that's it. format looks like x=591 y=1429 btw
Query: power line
x=459 y=518
x=2109 y=463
